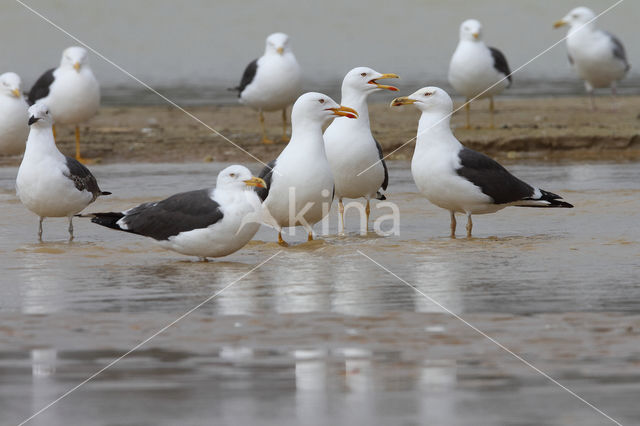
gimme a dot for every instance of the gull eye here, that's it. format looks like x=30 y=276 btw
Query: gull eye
x=232 y=175
x=575 y=16
x=364 y=74
x=5 y=83
x=321 y=101
x=428 y=93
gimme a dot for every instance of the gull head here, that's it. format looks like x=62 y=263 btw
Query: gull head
x=578 y=16
x=363 y=79
x=10 y=84
x=471 y=30
x=74 y=57
x=319 y=108
x=238 y=177
x=277 y=43
x=40 y=116
x=427 y=99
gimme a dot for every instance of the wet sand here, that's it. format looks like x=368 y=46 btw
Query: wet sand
x=534 y=127
x=319 y=334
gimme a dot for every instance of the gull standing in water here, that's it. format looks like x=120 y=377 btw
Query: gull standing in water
x=350 y=146
x=457 y=178
x=49 y=183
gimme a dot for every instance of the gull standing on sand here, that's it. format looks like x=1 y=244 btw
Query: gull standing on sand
x=71 y=91
x=14 y=127
x=49 y=183
x=598 y=57
x=457 y=178
x=300 y=185
x=477 y=70
x=350 y=146
x=211 y=222
x=272 y=82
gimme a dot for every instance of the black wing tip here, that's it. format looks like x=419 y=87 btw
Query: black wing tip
x=554 y=200
x=108 y=219
x=380 y=196
x=105 y=193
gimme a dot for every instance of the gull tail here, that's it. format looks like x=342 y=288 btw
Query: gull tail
x=546 y=199
x=109 y=219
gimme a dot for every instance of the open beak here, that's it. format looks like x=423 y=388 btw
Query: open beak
x=560 y=23
x=344 y=111
x=32 y=120
x=404 y=100
x=76 y=66
x=280 y=50
x=256 y=181
x=383 y=86
x=16 y=93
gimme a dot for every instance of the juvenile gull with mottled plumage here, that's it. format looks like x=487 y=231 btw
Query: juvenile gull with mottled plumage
x=49 y=183
x=457 y=178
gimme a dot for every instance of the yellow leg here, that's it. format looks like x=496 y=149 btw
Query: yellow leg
x=54 y=131
x=367 y=210
x=285 y=138
x=282 y=242
x=469 y=225
x=467 y=107
x=341 y=212
x=310 y=237
x=491 y=110
x=78 y=156
x=453 y=225
x=264 y=133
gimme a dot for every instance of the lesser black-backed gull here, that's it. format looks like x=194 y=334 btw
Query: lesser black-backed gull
x=457 y=178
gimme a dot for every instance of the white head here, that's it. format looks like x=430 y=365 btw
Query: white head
x=238 y=177
x=577 y=17
x=471 y=30
x=39 y=115
x=74 y=57
x=10 y=84
x=277 y=43
x=318 y=108
x=363 y=79
x=427 y=99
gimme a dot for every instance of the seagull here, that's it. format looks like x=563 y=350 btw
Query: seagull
x=211 y=222
x=13 y=115
x=49 y=183
x=300 y=185
x=457 y=178
x=477 y=71
x=272 y=82
x=350 y=146
x=598 y=57
x=71 y=91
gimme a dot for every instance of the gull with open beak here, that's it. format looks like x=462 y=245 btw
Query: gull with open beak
x=300 y=186
x=272 y=82
x=13 y=115
x=598 y=56
x=457 y=178
x=477 y=71
x=204 y=223
x=350 y=145
x=71 y=92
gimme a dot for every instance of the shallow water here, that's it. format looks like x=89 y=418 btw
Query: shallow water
x=319 y=334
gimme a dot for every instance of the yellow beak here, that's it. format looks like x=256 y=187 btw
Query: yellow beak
x=559 y=24
x=76 y=66
x=404 y=100
x=280 y=50
x=16 y=93
x=475 y=35
x=383 y=86
x=344 y=111
x=256 y=181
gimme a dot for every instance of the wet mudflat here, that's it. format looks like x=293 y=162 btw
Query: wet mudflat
x=320 y=334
